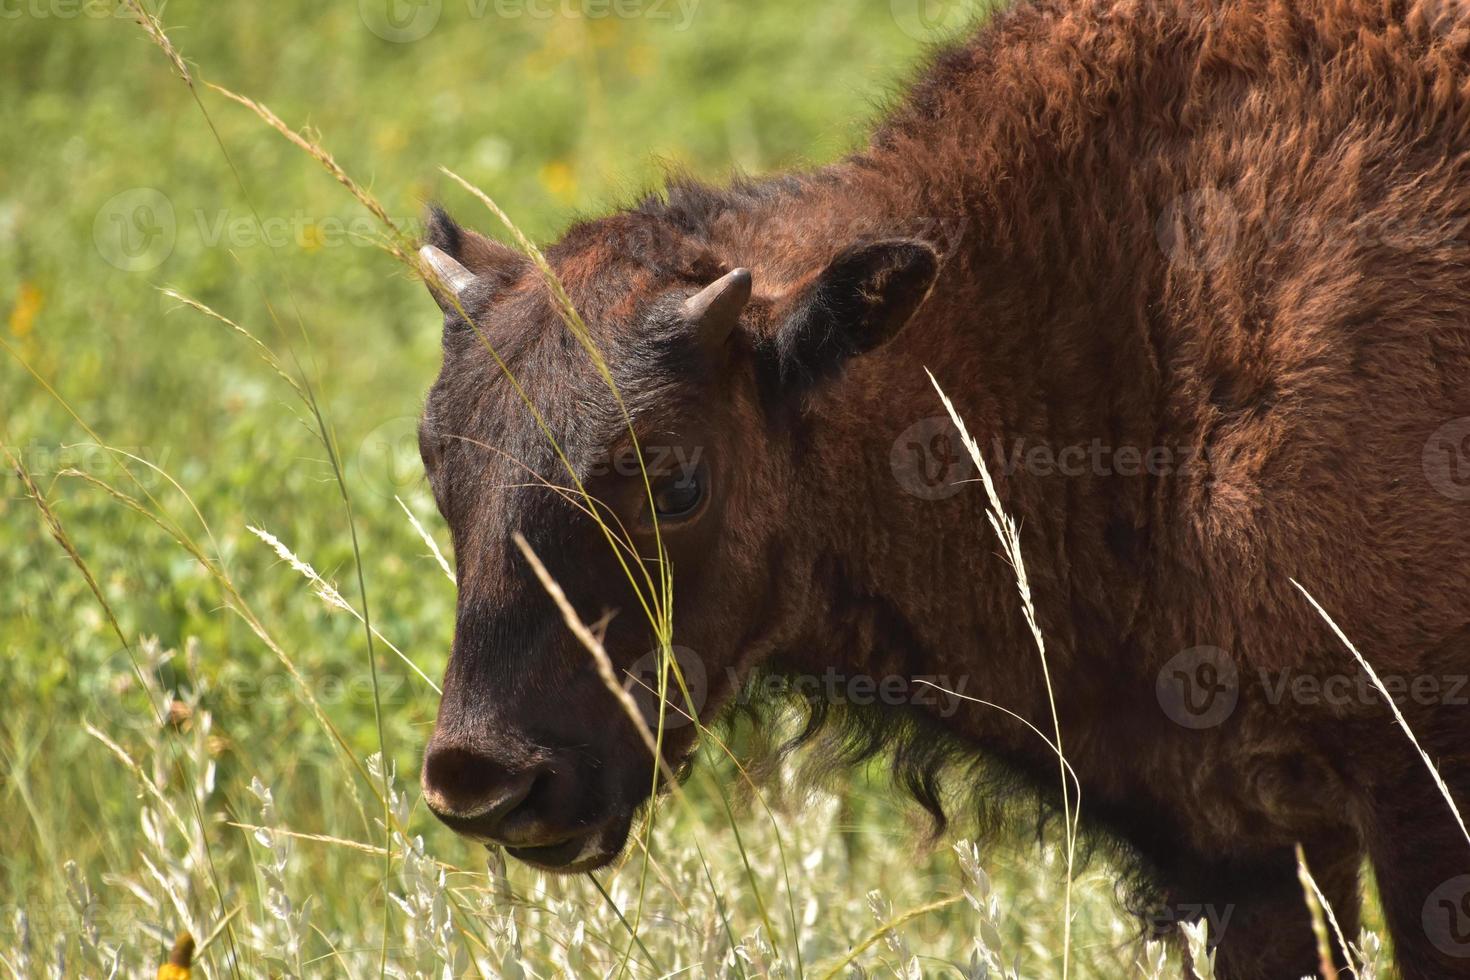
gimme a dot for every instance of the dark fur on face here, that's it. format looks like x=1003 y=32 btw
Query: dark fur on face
x=1232 y=233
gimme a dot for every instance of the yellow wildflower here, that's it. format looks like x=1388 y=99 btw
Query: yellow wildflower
x=179 y=959
x=23 y=313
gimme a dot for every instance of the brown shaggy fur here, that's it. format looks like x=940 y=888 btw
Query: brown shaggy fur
x=1232 y=232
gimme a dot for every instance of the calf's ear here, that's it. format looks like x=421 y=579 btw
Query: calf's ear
x=461 y=266
x=857 y=303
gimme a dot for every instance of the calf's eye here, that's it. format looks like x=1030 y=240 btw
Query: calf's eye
x=678 y=498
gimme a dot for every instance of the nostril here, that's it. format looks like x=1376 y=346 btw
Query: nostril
x=471 y=786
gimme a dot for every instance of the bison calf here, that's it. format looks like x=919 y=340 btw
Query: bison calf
x=1196 y=275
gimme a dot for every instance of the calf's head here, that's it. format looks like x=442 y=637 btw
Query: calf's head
x=710 y=365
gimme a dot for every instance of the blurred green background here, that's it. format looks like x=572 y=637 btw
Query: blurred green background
x=114 y=184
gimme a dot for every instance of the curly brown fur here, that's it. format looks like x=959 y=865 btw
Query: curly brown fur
x=1233 y=233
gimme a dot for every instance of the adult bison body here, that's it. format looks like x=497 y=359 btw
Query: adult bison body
x=1198 y=278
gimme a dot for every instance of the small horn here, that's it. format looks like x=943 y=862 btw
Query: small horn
x=717 y=307
x=446 y=268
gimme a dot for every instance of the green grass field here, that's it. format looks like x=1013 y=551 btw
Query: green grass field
x=143 y=728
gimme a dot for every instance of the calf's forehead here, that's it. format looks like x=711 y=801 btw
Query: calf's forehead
x=558 y=410
x=521 y=351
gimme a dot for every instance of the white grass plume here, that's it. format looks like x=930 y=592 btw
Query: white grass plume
x=329 y=594
x=428 y=540
x=1318 y=905
x=1393 y=706
x=1010 y=539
